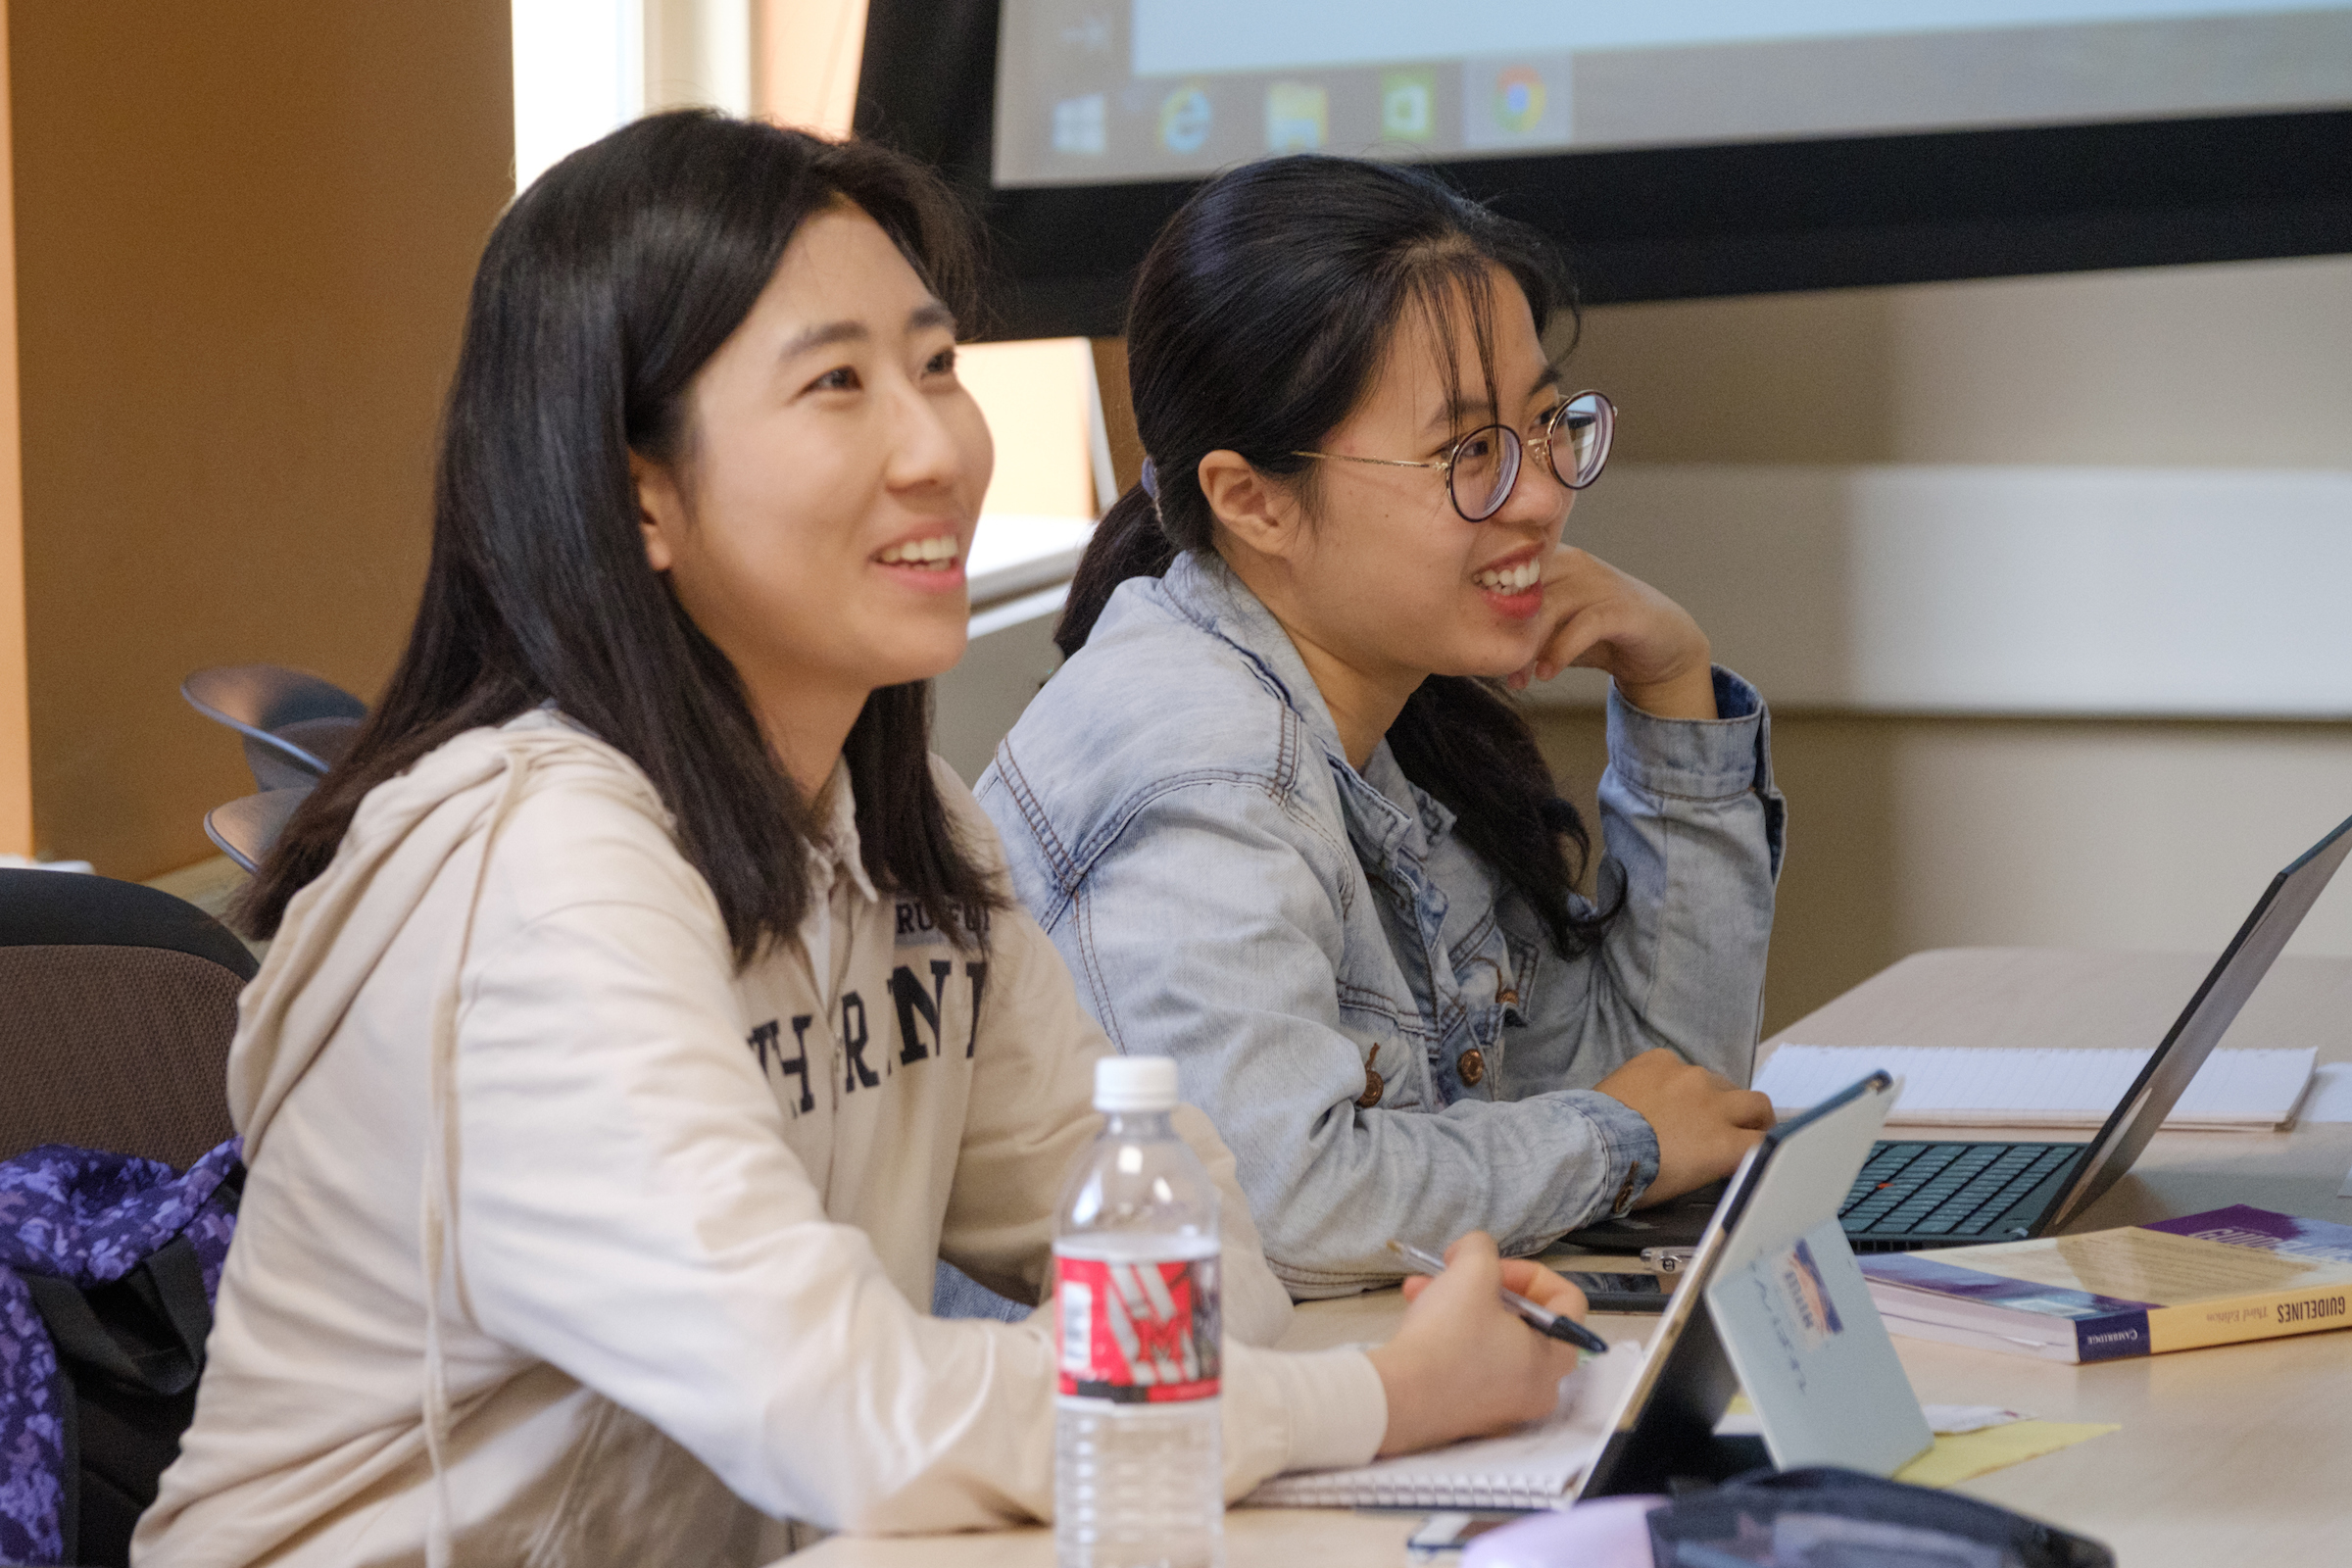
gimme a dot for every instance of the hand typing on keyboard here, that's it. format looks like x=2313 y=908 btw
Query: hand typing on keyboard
x=1703 y=1121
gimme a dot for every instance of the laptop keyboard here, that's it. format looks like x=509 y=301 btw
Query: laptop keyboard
x=1955 y=1190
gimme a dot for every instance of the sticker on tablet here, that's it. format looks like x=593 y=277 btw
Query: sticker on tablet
x=1812 y=1317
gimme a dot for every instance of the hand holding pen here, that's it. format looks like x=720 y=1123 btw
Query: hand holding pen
x=1461 y=1363
x=1557 y=1325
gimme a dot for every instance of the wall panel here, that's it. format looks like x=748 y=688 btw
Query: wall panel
x=244 y=238
x=16 y=722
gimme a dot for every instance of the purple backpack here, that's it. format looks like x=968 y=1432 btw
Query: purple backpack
x=108 y=1265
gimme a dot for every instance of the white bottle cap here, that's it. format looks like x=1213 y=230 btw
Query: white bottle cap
x=1135 y=1083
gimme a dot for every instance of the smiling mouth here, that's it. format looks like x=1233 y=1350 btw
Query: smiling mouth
x=936 y=554
x=1512 y=579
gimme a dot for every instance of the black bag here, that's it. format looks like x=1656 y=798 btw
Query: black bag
x=104 y=1313
x=133 y=1350
x=1825 y=1517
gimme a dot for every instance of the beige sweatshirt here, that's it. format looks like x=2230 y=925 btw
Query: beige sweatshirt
x=682 y=1219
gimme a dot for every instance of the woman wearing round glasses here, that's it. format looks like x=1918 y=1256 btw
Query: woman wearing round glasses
x=1276 y=810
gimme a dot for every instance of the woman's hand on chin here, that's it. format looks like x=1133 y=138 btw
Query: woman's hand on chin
x=1602 y=618
x=1462 y=1363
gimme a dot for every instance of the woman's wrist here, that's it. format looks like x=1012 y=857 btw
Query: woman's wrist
x=1400 y=1382
x=1690 y=694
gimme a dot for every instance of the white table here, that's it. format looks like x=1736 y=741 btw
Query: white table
x=2235 y=1454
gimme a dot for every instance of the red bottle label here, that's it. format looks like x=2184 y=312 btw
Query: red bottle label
x=1138 y=1332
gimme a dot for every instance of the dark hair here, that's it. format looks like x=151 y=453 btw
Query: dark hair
x=603 y=290
x=1258 y=322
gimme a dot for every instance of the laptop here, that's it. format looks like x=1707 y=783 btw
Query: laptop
x=1937 y=1193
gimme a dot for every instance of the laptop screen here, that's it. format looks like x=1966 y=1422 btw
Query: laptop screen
x=2201 y=1025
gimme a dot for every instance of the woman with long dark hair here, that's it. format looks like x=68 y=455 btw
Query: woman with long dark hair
x=646 y=1015
x=1278 y=811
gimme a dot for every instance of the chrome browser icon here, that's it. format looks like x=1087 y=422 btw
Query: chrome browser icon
x=1518 y=99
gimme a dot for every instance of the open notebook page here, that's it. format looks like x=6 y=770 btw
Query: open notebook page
x=1535 y=1467
x=2027 y=1086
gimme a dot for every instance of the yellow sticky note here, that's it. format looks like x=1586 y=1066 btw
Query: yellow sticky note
x=1967 y=1456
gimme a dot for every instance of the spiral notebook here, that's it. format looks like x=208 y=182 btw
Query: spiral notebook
x=2008 y=1085
x=1538 y=1466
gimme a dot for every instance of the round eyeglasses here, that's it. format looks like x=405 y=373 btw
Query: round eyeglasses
x=1483 y=468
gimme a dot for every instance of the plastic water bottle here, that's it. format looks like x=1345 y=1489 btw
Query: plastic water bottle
x=1138 y=1466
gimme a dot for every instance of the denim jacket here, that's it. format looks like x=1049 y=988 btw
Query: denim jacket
x=1388 y=1039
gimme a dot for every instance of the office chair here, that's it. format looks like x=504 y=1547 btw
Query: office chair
x=116 y=1007
x=295 y=725
x=244 y=828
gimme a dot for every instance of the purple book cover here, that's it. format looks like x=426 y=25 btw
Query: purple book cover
x=2241 y=1225
x=1922 y=1272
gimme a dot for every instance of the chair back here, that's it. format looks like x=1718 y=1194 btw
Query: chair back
x=244 y=828
x=295 y=725
x=117 y=1004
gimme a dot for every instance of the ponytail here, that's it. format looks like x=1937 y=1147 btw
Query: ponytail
x=1128 y=542
x=1463 y=741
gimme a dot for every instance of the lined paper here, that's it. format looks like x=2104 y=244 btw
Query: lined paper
x=1989 y=1086
x=1534 y=1468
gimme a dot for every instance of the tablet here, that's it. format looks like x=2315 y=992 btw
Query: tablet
x=1767 y=1299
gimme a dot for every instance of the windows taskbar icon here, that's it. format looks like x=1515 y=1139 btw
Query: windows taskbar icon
x=1185 y=117
x=1514 y=103
x=1297 y=117
x=1518 y=99
x=1408 y=105
x=1082 y=126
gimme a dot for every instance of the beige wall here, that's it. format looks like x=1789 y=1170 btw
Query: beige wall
x=244 y=236
x=1912 y=833
x=2244 y=364
x=1919 y=832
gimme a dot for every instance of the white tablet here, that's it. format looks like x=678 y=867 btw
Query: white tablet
x=1772 y=1300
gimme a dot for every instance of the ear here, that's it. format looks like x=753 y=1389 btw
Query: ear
x=1255 y=510
x=660 y=510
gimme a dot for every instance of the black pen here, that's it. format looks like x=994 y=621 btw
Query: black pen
x=1543 y=1319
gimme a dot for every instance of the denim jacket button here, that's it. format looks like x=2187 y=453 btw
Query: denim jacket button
x=1373 y=1085
x=1507 y=996
x=1624 y=1200
x=1470 y=1066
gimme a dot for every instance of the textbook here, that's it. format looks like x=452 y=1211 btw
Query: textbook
x=2238 y=1273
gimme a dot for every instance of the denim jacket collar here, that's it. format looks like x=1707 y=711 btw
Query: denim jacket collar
x=1205 y=590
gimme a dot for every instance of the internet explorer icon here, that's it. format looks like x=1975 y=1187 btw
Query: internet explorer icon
x=1185 y=116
